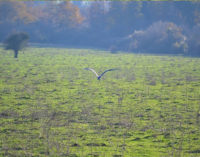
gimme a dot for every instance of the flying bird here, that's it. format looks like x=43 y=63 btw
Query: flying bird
x=99 y=76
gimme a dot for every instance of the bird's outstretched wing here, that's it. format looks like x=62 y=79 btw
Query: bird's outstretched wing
x=107 y=71
x=92 y=71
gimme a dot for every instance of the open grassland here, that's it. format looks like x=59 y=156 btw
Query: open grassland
x=51 y=106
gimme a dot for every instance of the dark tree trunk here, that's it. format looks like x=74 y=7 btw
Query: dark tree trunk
x=16 y=53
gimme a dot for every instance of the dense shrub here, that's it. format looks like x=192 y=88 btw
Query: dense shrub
x=194 y=41
x=160 y=37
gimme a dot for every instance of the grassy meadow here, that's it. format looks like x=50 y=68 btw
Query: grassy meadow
x=51 y=106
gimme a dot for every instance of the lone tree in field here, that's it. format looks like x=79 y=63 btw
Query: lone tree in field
x=16 y=42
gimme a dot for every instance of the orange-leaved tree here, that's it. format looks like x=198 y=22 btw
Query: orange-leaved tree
x=63 y=15
x=14 y=11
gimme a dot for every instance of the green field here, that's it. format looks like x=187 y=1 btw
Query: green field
x=51 y=106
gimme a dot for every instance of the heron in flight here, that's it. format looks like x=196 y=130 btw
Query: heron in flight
x=99 y=76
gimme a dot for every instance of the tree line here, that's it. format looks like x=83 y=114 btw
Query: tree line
x=139 y=26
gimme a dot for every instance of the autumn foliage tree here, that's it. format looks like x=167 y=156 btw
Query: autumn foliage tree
x=14 y=11
x=62 y=15
x=16 y=42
